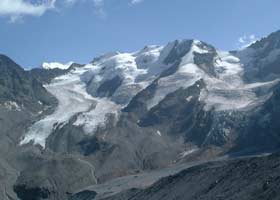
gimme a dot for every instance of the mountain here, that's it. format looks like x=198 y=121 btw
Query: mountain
x=68 y=127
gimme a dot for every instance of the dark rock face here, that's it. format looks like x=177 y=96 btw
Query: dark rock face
x=36 y=193
x=178 y=113
x=179 y=49
x=84 y=195
x=18 y=86
x=46 y=75
x=108 y=88
x=264 y=58
x=92 y=145
x=138 y=104
x=244 y=179
x=262 y=127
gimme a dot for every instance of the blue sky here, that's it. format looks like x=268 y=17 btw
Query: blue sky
x=32 y=31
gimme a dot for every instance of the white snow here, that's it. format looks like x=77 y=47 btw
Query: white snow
x=158 y=133
x=188 y=152
x=197 y=49
x=54 y=65
x=11 y=105
x=189 y=98
x=147 y=56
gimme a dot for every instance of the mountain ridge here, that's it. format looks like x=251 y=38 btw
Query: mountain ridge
x=127 y=113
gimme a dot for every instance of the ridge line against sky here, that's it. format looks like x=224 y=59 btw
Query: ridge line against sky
x=36 y=31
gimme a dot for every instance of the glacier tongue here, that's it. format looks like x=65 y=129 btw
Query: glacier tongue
x=72 y=97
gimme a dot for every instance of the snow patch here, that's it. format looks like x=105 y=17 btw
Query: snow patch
x=56 y=65
x=158 y=133
x=189 y=98
x=188 y=152
x=11 y=105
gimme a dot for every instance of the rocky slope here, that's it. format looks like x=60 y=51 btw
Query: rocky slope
x=248 y=179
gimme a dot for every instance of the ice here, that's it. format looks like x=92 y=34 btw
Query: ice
x=98 y=116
